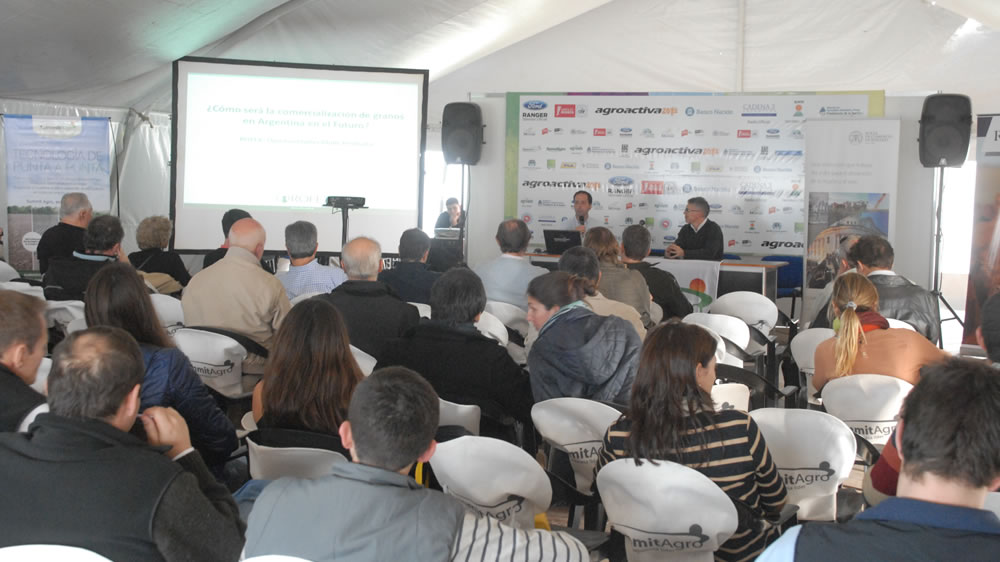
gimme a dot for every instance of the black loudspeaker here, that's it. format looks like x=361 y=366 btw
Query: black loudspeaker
x=945 y=126
x=462 y=133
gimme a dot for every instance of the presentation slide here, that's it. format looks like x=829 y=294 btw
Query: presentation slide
x=277 y=140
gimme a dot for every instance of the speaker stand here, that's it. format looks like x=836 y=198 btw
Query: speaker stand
x=938 y=235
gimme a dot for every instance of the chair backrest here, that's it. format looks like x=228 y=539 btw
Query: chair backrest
x=217 y=359
x=804 y=346
x=789 y=276
x=730 y=327
x=365 y=361
x=305 y=296
x=753 y=308
x=25 y=288
x=247 y=422
x=868 y=404
x=893 y=323
x=269 y=463
x=491 y=327
x=814 y=453
x=731 y=396
x=494 y=478
x=168 y=309
x=511 y=315
x=423 y=309
x=7 y=272
x=61 y=313
x=76 y=325
x=576 y=426
x=36 y=552
x=666 y=511
x=465 y=415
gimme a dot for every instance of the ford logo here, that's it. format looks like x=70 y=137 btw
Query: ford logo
x=769 y=131
x=620 y=181
x=669 y=238
x=626 y=129
x=715 y=206
x=535 y=105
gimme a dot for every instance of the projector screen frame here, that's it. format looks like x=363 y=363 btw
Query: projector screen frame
x=423 y=74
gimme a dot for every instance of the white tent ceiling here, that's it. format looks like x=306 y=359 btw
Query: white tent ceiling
x=117 y=53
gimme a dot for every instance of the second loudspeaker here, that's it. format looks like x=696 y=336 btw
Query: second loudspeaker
x=462 y=133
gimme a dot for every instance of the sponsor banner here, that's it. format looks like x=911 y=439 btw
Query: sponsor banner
x=698 y=278
x=643 y=155
x=984 y=266
x=46 y=158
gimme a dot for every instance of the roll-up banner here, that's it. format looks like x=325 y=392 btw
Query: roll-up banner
x=984 y=266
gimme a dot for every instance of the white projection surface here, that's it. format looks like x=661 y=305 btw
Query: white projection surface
x=277 y=140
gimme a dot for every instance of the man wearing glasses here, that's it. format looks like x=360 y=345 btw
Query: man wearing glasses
x=700 y=238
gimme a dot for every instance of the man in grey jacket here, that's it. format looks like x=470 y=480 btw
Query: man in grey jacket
x=370 y=509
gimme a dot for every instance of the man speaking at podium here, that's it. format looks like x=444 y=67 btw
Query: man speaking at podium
x=700 y=238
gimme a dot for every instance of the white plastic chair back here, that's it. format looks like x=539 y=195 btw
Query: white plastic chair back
x=423 y=309
x=721 y=355
x=804 y=346
x=217 y=359
x=753 y=308
x=868 y=404
x=491 y=327
x=494 y=478
x=893 y=323
x=577 y=427
x=61 y=313
x=42 y=376
x=666 y=511
x=731 y=396
x=814 y=453
x=168 y=310
x=7 y=272
x=992 y=503
x=247 y=422
x=511 y=315
x=269 y=463
x=25 y=288
x=729 y=327
x=76 y=325
x=365 y=361
x=305 y=296
x=36 y=552
x=465 y=415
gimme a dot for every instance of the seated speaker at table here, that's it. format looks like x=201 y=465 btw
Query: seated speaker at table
x=700 y=238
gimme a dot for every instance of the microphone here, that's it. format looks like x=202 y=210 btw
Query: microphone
x=582 y=220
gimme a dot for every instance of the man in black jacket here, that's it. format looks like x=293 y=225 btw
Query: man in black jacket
x=23 y=343
x=67 y=277
x=700 y=238
x=79 y=478
x=410 y=278
x=663 y=286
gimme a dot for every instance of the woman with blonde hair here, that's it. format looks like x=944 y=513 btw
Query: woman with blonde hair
x=617 y=282
x=865 y=344
x=153 y=235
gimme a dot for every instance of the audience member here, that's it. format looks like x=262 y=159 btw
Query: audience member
x=371 y=510
x=306 y=275
x=66 y=236
x=461 y=364
x=988 y=332
x=671 y=417
x=372 y=311
x=618 y=282
x=308 y=382
x=67 y=277
x=947 y=441
x=506 y=277
x=236 y=294
x=410 y=278
x=453 y=216
x=583 y=201
x=153 y=236
x=78 y=478
x=229 y=218
x=116 y=296
x=578 y=353
x=864 y=343
x=23 y=343
x=582 y=262
x=898 y=297
x=699 y=238
x=835 y=265
x=663 y=287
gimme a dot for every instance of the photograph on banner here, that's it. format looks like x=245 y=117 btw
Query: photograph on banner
x=46 y=158
x=836 y=221
x=984 y=266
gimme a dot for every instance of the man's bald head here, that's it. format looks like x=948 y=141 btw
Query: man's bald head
x=249 y=235
x=362 y=259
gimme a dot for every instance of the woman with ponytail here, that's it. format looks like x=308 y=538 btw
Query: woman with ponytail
x=864 y=343
x=578 y=353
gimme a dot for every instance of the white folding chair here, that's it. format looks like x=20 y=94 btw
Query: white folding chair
x=755 y=309
x=491 y=327
x=814 y=453
x=868 y=404
x=305 y=296
x=893 y=323
x=494 y=478
x=731 y=331
x=803 y=348
x=58 y=314
x=465 y=415
x=666 y=511
x=36 y=552
x=75 y=325
x=218 y=360
x=7 y=272
x=575 y=426
x=423 y=309
x=731 y=396
x=168 y=310
x=42 y=376
x=511 y=315
x=365 y=361
x=25 y=288
x=269 y=463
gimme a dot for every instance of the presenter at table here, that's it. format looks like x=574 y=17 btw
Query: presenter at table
x=700 y=238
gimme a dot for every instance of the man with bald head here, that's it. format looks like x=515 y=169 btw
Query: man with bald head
x=374 y=314
x=237 y=295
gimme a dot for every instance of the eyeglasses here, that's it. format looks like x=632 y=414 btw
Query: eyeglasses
x=692 y=211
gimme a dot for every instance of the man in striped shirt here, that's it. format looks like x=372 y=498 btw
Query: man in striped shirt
x=370 y=509
x=306 y=275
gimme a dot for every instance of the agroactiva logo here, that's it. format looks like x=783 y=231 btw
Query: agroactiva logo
x=775 y=244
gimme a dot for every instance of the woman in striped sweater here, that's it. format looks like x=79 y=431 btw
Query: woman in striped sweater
x=671 y=417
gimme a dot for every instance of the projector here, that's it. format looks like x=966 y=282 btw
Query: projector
x=345 y=202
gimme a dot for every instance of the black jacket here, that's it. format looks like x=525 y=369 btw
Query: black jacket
x=17 y=400
x=156 y=260
x=67 y=278
x=665 y=290
x=706 y=244
x=411 y=281
x=900 y=298
x=373 y=314
x=60 y=241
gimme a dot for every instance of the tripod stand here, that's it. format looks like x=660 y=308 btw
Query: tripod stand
x=938 y=235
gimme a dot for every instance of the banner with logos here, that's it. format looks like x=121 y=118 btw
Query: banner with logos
x=47 y=157
x=984 y=266
x=643 y=155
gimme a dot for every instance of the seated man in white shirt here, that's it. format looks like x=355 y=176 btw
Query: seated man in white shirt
x=506 y=277
x=370 y=509
x=23 y=342
x=306 y=275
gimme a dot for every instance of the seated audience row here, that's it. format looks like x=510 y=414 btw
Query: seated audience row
x=618 y=282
